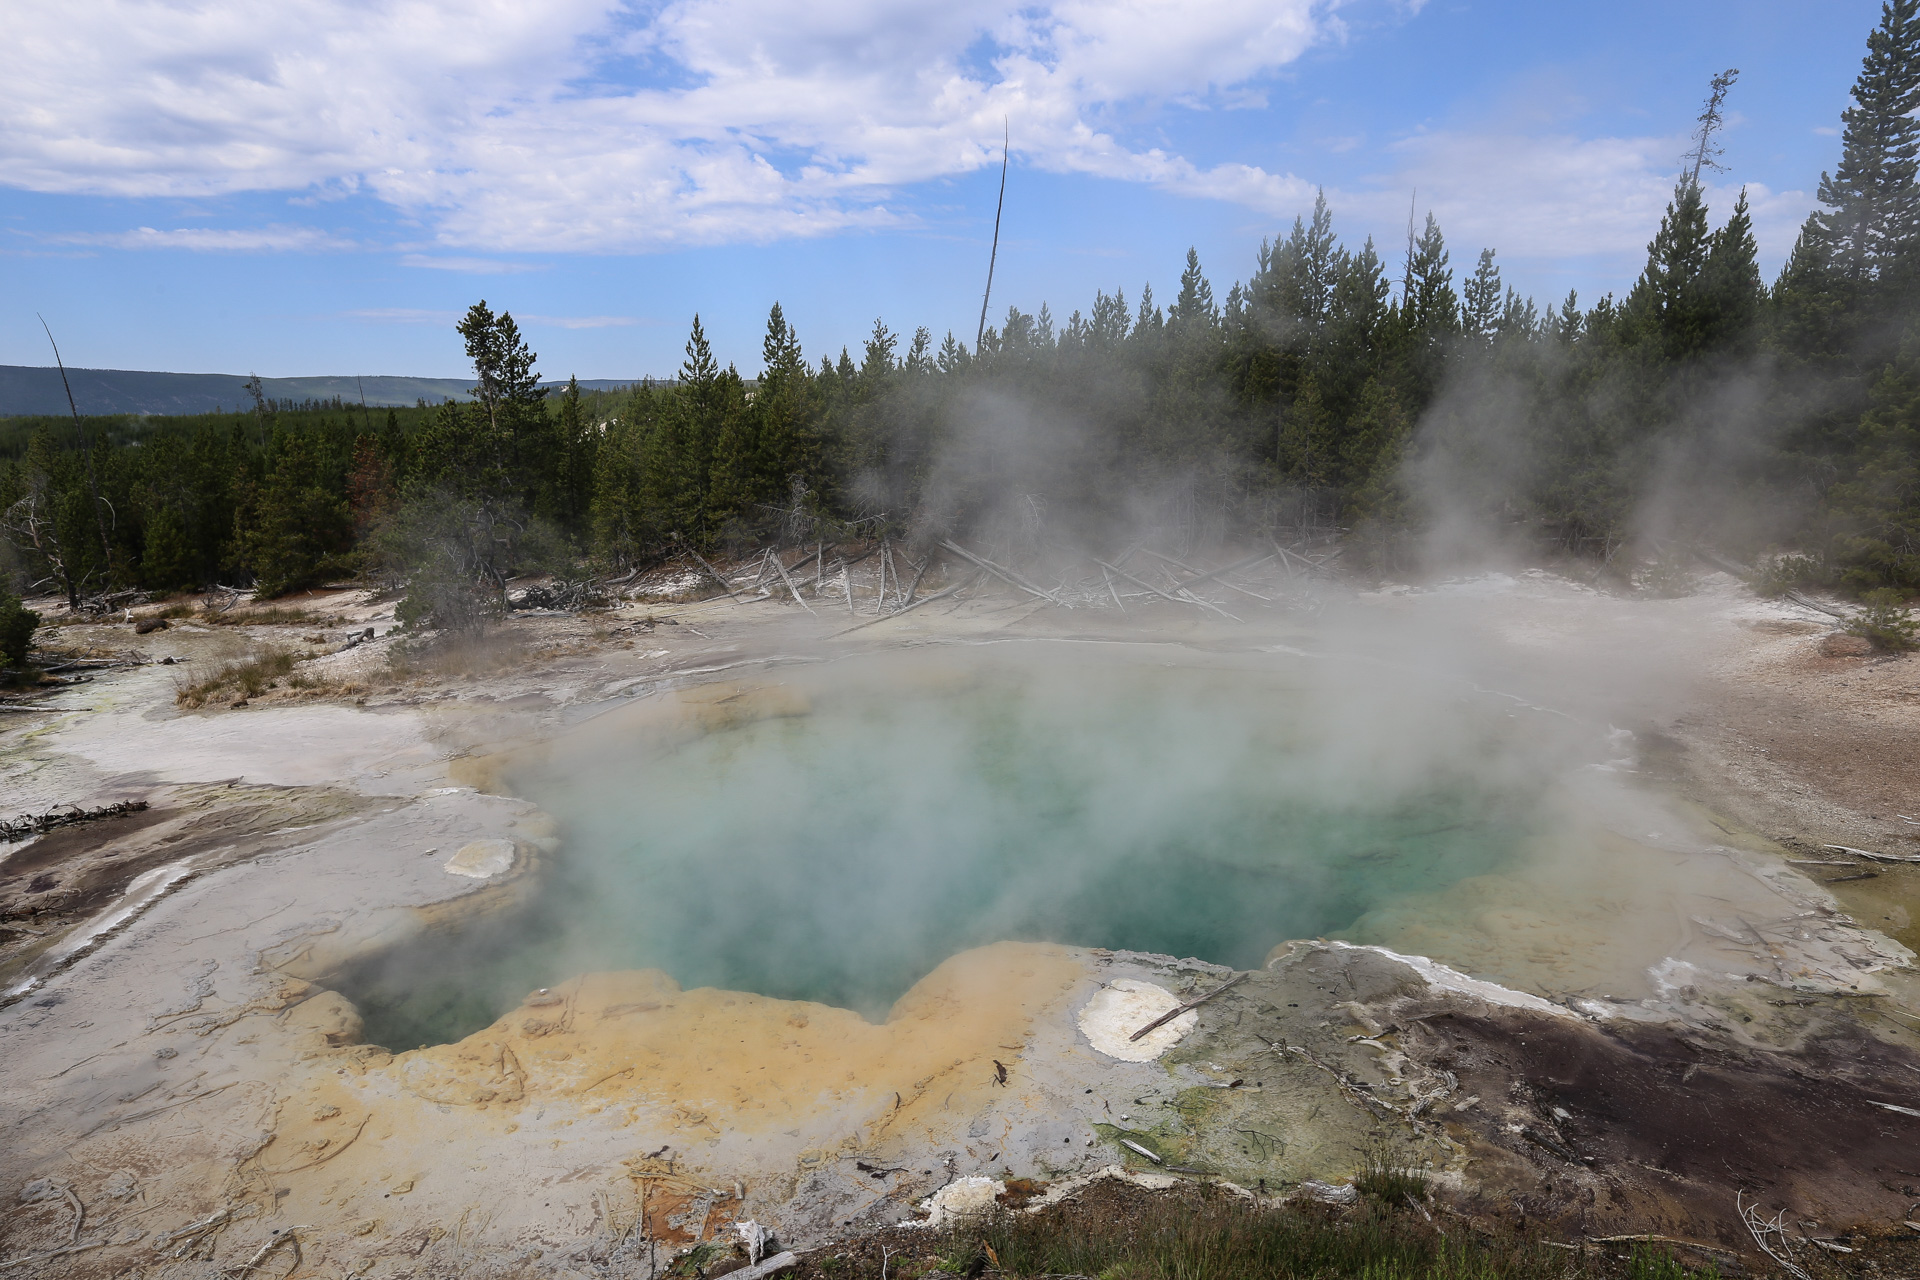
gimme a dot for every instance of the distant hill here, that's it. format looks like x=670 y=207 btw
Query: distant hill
x=25 y=389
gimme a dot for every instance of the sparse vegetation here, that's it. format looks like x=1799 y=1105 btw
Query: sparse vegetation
x=236 y=681
x=253 y=677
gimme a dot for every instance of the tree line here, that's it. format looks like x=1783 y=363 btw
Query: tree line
x=1333 y=387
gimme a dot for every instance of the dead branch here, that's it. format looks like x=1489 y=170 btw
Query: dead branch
x=1877 y=857
x=1171 y=1014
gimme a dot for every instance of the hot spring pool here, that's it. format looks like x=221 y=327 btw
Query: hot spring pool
x=832 y=834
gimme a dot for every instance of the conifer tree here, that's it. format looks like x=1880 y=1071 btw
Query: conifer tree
x=1873 y=203
x=1433 y=309
x=1480 y=312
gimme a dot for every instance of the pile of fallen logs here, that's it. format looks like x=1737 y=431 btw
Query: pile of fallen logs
x=31 y=824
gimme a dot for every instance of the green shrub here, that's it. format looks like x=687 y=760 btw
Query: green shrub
x=1885 y=621
x=17 y=624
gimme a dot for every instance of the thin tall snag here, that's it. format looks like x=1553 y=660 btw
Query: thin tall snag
x=1005 y=575
x=790 y=587
x=86 y=445
x=846 y=584
x=1171 y=1014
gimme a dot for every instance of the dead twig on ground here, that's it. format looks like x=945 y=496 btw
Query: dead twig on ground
x=1175 y=1012
x=284 y=1235
x=1877 y=857
x=1762 y=1229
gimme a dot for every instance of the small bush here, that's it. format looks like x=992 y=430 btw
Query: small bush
x=1667 y=578
x=1884 y=622
x=1780 y=574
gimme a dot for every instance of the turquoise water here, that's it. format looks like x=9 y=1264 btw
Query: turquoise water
x=840 y=854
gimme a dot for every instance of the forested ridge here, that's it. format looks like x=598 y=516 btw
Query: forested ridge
x=1412 y=401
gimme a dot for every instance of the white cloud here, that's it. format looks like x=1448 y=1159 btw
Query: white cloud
x=524 y=126
x=275 y=239
x=1538 y=196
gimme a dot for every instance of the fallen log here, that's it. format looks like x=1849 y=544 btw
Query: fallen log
x=789 y=581
x=1005 y=575
x=714 y=574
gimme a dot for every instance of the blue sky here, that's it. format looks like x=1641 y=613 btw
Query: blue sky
x=320 y=186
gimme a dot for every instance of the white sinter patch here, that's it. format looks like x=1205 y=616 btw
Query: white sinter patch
x=482 y=859
x=1124 y=1006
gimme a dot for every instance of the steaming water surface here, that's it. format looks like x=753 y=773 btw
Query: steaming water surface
x=838 y=835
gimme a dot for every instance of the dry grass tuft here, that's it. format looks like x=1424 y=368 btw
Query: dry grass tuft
x=275 y=675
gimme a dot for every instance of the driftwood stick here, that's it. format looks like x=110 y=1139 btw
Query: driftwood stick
x=1107 y=574
x=1173 y=1013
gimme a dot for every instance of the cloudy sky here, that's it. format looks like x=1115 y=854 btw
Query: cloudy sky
x=320 y=186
